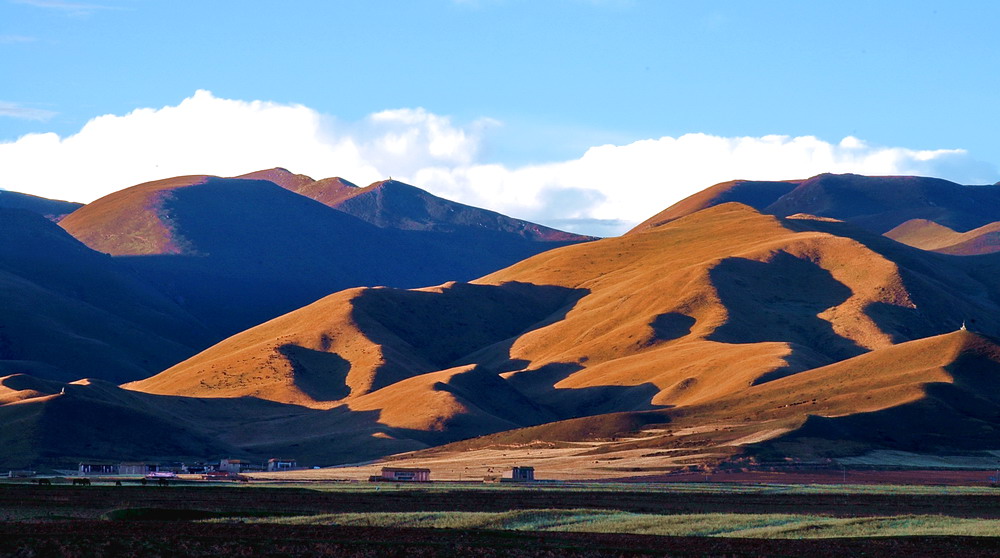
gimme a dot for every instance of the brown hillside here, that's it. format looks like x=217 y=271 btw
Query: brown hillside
x=726 y=287
x=282 y=177
x=756 y=194
x=928 y=235
x=328 y=191
x=875 y=203
x=718 y=319
x=924 y=234
x=134 y=221
x=930 y=396
x=357 y=341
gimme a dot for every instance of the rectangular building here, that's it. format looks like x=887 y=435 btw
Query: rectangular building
x=137 y=468
x=405 y=474
x=276 y=464
x=522 y=474
x=97 y=468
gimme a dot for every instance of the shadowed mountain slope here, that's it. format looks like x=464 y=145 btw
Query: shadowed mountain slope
x=396 y=205
x=236 y=252
x=51 y=209
x=70 y=312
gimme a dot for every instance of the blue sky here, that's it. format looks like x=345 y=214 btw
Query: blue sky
x=524 y=85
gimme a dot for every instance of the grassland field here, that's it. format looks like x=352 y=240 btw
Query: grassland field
x=456 y=519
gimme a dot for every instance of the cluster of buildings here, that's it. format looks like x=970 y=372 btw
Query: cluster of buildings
x=198 y=468
x=230 y=468
x=412 y=474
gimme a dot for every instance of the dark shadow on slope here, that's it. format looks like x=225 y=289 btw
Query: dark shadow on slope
x=942 y=287
x=780 y=300
x=430 y=331
x=104 y=422
x=320 y=375
x=670 y=326
x=951 y=417
x=540 y=386
x=600 y=427
x=902 y=323
x=497 y=397
x=22 y=382
x=880 y=203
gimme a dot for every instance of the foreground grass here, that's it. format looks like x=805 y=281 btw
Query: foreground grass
x=769 y=526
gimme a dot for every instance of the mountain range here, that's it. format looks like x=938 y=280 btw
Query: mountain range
x=753 y=320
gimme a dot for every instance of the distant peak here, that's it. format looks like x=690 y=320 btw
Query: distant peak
x=391 y=183
x=388 y=181
x=280 y=176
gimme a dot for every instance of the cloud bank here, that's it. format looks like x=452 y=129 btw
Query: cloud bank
x=604 y=191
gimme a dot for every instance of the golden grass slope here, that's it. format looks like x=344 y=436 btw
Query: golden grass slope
x=132 y=221
x=726 y=297
x=357 y=341
x=737 y=325
x=931 y=396
x=756 y=194
x=928 y=235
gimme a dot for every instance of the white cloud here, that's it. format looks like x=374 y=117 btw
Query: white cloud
x=605 y=191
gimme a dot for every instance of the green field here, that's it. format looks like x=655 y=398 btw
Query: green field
x=785 y=526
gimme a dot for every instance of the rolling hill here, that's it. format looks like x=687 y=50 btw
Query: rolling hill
x=395 y=205
x=688 y=321
x=720 y=333
x=236 y=252
x=914 y=210
x=928 y=235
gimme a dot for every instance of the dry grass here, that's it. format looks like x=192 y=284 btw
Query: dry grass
x=928 y=235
